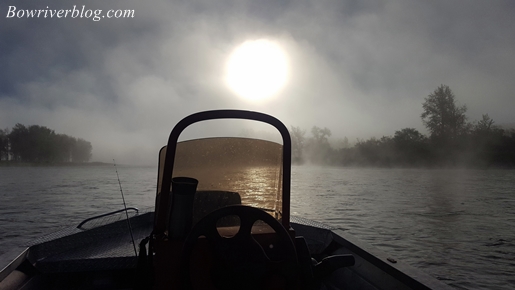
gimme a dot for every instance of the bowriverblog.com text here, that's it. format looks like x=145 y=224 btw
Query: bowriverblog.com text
x=75 y=12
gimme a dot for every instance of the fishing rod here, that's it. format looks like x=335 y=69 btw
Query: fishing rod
x=125 y=207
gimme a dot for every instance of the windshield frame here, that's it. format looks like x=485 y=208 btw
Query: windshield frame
x=163 y=199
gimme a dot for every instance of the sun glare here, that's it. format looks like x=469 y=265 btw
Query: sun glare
x=257 y=69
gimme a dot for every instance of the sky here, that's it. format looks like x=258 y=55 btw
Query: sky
x=360 y=68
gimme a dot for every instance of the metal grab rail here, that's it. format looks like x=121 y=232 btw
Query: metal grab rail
x=106 y=214
x=162 y=209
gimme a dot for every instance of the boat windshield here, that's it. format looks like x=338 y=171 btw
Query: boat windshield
x=230 y=170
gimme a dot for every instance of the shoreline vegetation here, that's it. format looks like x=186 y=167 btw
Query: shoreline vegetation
x=453 y=142
x=40 y=145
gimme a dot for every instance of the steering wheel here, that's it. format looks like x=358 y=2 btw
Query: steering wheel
x=241 y=262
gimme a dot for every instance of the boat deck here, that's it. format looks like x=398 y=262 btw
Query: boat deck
x=103 y=258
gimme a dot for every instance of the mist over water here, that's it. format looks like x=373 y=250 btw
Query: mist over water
x=456 y=225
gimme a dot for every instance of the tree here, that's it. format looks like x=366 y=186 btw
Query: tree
x=410 y=146
x=369 y=151
x=17 y=138
x=442 y=117
x=41 y=143
x=4 y=144
x=63 y=146
x=485 y=124
x=81 y=151
x=297 y=144
x=319 y=149
x=345 y=143
x=485 y=142
x=320 y=135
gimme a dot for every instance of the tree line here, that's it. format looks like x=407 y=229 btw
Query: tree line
x=39 y=144
x=452 y=141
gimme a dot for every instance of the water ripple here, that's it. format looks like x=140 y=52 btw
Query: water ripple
x=456 y=225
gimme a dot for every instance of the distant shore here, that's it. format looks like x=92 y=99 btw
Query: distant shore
x=4 y=163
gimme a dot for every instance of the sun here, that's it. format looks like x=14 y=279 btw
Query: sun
x=257 y=69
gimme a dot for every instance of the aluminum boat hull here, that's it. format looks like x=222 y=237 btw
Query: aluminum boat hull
x=103 y=258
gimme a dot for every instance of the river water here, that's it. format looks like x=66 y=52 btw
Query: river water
x=456 y=225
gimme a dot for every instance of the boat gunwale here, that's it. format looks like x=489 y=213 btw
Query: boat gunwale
x=405 y=273
x=12 y=264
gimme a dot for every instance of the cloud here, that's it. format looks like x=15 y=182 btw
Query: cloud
x=360 y=68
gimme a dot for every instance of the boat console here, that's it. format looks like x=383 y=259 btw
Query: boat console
x=223 y=212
